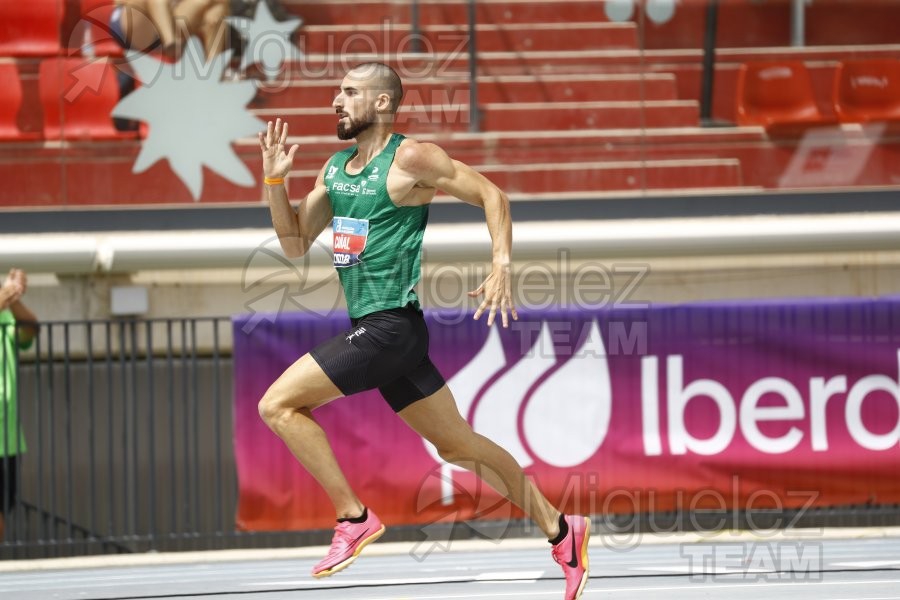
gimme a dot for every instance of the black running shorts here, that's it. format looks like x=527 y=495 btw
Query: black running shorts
x=387 y=350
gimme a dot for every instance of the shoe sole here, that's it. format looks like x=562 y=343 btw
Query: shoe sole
x=584 y=557
x=346 y=563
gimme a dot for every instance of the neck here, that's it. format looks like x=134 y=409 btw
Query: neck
x=371 y=142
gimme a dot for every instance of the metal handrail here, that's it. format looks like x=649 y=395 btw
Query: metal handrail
x=474 y=111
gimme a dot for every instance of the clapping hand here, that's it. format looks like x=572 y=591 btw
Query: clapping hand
x=13 y=288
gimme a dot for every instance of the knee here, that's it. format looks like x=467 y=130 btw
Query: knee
x=457 y=452
x=272 y=410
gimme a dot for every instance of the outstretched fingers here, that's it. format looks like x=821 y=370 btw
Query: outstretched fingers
x=270 y=134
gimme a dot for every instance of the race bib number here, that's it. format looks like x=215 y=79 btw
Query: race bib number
x=350 y=237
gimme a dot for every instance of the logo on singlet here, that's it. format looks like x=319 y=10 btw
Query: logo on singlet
x=374 y=175
x=332 y=171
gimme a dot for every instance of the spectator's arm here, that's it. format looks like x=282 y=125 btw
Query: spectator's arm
x=27 y=323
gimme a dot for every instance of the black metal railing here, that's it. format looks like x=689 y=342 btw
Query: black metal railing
x=127 y=426
x=474 y=110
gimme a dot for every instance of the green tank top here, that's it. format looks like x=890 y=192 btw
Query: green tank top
x=377 y=245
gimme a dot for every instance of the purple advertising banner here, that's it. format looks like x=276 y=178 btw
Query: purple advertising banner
x=737 y=405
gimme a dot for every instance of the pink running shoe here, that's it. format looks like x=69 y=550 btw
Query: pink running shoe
x=572 y=555
x=348 y=541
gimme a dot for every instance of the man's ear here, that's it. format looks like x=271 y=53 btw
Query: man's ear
x=383 y=103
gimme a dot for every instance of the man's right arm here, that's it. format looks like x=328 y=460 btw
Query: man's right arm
x=298 y=229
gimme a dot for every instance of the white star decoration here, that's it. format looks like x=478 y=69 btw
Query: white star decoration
x=192 y=115
x=268 y=40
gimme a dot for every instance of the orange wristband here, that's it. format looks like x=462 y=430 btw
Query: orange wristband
x=273 y=181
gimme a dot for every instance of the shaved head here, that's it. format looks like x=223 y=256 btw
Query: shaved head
x=380 y=78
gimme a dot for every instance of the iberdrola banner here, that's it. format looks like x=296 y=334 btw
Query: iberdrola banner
x=727 y=406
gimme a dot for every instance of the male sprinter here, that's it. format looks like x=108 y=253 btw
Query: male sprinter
x=375 y=195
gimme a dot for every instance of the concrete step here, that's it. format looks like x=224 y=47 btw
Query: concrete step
x=100 y=173
x=491 y=89
x=339 y=40
x=557 y=116
x=330 y=12
x=411 y=65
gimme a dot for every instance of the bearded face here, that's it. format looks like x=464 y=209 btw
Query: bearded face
x=349 y=127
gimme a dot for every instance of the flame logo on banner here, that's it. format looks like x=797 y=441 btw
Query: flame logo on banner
x=566 y=417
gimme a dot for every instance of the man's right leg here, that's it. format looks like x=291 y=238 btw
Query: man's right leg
x=287 y=409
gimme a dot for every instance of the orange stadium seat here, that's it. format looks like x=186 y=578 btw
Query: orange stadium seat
x=30 y=27
x=78 y=97
x=777 y=95
x=867 y=90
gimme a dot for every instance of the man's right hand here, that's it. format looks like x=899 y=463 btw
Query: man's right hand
x=276 y=162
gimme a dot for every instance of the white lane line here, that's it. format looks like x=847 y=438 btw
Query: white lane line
x=691 y=570
x=869 y=564
x=591 y=591
x=325 y=584
x=439 y=580
x=480 y=594
x=529 y=576
x=739 y=583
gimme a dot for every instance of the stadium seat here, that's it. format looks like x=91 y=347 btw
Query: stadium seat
x=867 y=90
x=10 y=101
x=30 y=27
x=778 y=96
x=95 y=14
x=78 y=96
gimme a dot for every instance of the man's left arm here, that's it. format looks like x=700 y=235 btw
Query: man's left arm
x=431 y=166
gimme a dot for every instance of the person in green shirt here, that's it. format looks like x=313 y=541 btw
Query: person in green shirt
x=376 y=195
x=18 y=326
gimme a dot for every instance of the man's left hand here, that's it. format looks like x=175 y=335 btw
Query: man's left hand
x=497 y=290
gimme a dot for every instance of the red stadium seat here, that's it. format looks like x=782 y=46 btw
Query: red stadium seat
x=777 y=95
x=95 y=15
x=867 y=90
x=10 y=101
x=30 y=27
x=78 y=96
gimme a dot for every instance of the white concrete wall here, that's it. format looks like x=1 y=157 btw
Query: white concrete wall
x=592 y=264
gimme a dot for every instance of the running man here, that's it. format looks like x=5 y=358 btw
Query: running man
x=375 y=195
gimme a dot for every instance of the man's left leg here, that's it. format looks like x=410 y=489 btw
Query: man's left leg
x=437 y=419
